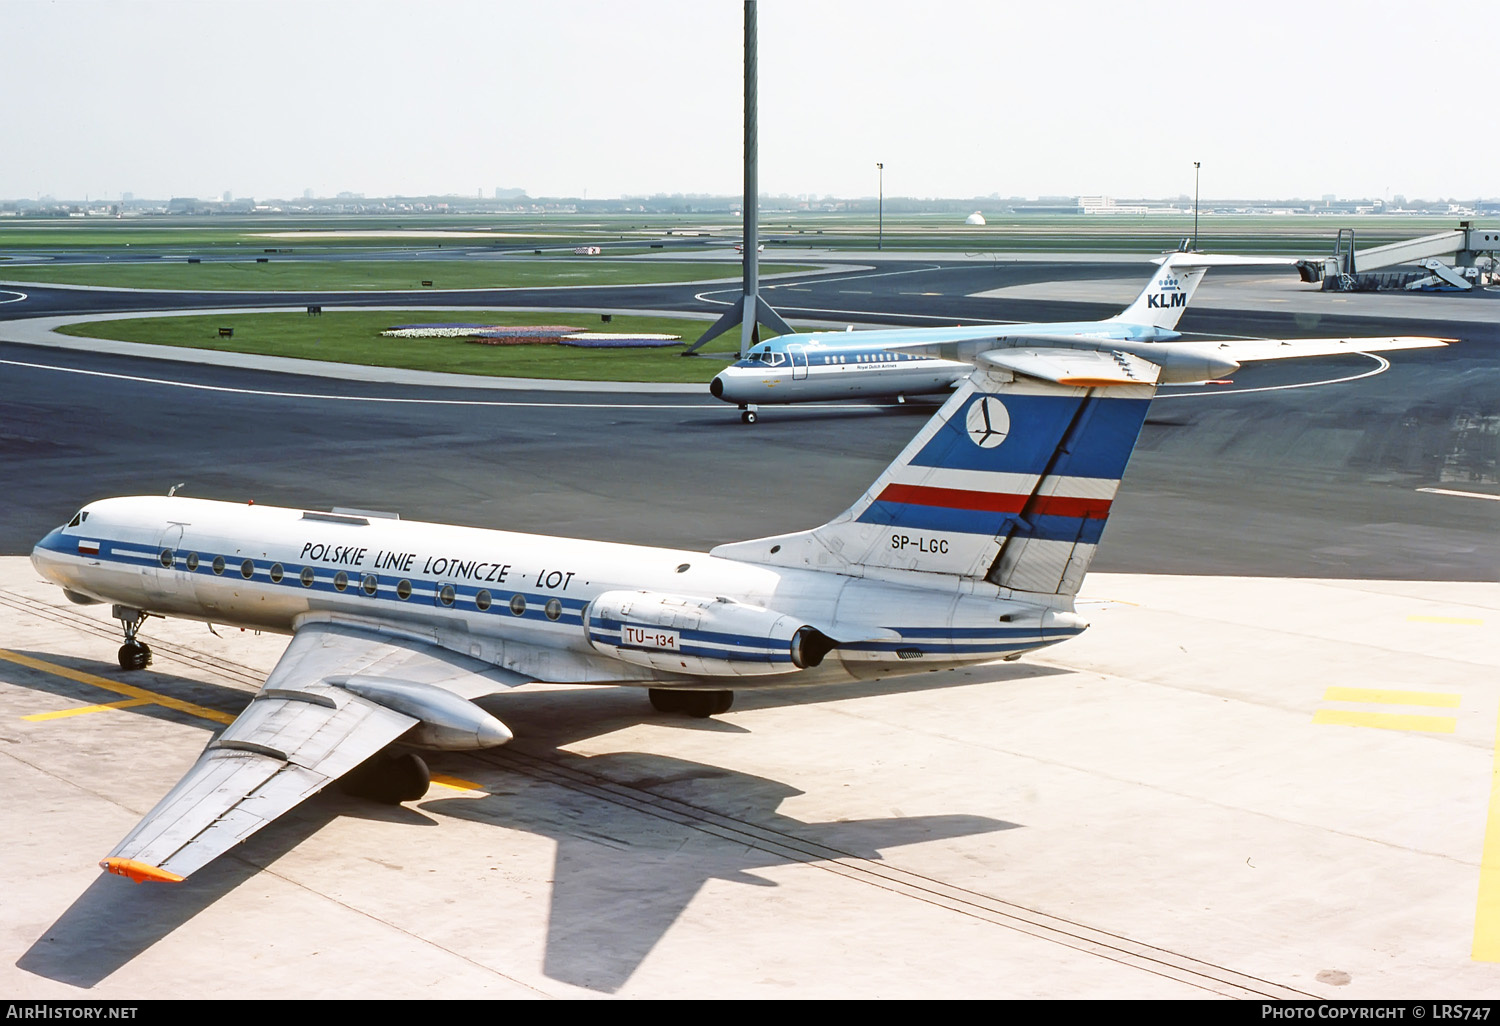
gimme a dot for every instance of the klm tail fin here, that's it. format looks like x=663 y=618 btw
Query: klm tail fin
x=1010 y=482
x=1163 y=301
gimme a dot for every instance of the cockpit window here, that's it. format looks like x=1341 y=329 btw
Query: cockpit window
x=78 y=518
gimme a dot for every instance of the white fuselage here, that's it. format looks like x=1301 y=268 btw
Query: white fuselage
x=516 y=600
x=824 y=366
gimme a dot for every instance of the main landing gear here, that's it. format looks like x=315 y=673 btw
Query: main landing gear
x=134 y=654
x=747 y=413
x=701 y=704
x=388 y=779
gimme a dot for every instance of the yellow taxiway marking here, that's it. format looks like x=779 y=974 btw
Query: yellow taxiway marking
x=456 y=783
x=146 y=697
x=62 y=713
x=1487 y=912
x=1466 y=621
x=1385 y=696
x=1386 y=721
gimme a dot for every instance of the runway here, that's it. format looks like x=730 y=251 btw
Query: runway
x=1181 y=803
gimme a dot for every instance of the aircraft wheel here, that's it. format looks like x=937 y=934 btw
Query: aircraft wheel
x=388 y=779
x=701 y=704
x=665 y=700
x=704 y=704
x=749 y=417
x=135 y=655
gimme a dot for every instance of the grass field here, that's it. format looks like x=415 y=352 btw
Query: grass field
x=380 y=275
x=353 y=336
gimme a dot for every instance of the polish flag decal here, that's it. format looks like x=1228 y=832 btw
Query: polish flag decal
x=88 y=548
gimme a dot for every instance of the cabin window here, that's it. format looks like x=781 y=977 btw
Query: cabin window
x=277 y=573
x=371 y=584
x=341 y=580
x=446 y=594
x=306 y=577
x=518 y=604
x=166 y=558
x=683 y=568
x=192 y=560
x=403 y=590
x=553 y=609
x=482 y=601
x=247 y=569
x=218 y=564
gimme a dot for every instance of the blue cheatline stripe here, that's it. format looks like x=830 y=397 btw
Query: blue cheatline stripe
x=423 y=591
x=979 y=633
x=615 y=628
x=701 y=642
x=709 y=644
x=930 y=648
x=977 y=522
x=1100 y=449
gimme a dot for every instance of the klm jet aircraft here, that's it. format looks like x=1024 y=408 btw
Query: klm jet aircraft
x=899 y=362
x=969 y=547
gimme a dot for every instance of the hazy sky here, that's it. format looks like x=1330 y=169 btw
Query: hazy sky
x=266 y=98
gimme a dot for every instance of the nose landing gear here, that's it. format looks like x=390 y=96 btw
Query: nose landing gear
x=747 y=413
x=134 y=654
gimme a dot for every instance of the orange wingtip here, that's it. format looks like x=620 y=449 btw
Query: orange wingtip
x=140 y=872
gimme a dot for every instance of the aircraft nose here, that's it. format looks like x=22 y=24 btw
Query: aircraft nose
x=716 y=387
x=44 y=556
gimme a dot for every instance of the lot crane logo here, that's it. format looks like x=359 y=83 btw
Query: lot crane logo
x=988 y=422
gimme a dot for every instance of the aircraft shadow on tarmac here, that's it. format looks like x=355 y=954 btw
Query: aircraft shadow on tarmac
x=625 y=869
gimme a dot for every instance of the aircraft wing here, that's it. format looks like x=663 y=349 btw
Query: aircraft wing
x=1251 y=350
x=1246 y=350
x=1083 y=368
x=300 y=733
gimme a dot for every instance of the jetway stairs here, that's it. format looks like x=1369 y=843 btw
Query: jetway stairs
x=1351 y=270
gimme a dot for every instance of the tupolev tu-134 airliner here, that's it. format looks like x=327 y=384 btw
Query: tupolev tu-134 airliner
x=901 y=362
x=970 y=547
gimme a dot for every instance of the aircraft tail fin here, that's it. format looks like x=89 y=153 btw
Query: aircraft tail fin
x=1010 y=482
x=1165 y=298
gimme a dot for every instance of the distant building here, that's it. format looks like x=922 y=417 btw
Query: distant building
x=1106 y=205
x=974 y=218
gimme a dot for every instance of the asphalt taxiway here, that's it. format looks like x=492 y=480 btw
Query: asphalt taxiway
x=1264 y=772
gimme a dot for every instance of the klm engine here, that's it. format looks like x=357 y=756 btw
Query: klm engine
x=705 y=637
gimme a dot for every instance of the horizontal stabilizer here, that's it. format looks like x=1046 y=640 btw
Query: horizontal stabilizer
x=1078 y=368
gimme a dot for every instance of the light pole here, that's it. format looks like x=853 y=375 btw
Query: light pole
x=880 y=239
x=1195 y=205
x=750 y=310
